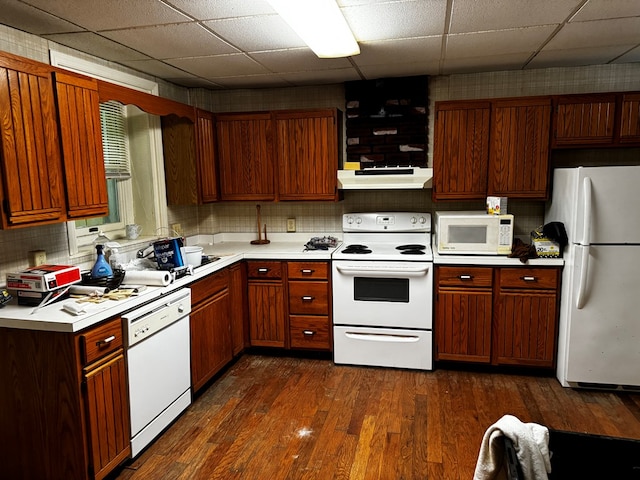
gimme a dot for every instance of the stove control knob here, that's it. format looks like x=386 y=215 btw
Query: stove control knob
x=423 y=220
x=349 y=220
x=414 y=220
x=358 y=220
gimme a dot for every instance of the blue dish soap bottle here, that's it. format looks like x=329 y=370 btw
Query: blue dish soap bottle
x=101 y=268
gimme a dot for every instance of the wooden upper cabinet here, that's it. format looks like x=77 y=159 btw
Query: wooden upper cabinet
x=81 y=140
x=519 y=148
x=584 y=119
x=246 y=156
x=461 y=150
x=630 y=118
x=180 y=164
x=206 y=156
x=32 y=182
x=307 y=154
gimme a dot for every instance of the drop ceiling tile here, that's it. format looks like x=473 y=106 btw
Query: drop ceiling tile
x=109 y=14
x=500 y=42
x=33 y=20
x=381 y=21
x=251 y=34
x=321 y=77
x=157 y=68
x=172 y=41
x=598 y=33
x=297 y=59
x=97 y=45
x=484 y=63
x=601 y=9
x=482 y=15
x=399 y=51
x=194 y=82
x=577 y=56
x=253 y=81
x=372 y=72
x=630 y=56
x=217 y=9
x=215 y=66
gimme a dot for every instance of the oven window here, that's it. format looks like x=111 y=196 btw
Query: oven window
x=468 y=234
x=367 y=289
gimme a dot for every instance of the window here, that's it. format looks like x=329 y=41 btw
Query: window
x=133 y=149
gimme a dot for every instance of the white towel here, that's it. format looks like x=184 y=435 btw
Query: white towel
x=531 y=442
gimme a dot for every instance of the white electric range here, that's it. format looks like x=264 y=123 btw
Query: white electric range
x=382 y=291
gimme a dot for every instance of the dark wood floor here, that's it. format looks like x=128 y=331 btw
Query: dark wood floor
x=290 y=418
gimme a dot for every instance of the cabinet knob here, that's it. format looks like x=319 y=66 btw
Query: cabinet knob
x=306 y=271
x=465 y=277
x=308 y=333
x=263 y=270
x=106 y=341
x=528 y=278
x=307 y=298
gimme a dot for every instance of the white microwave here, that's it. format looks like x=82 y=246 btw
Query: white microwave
x=473 y=233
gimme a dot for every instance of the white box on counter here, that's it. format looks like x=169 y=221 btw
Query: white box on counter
x=44 y=278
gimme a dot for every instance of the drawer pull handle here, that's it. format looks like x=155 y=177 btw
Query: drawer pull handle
x=106 y=341
x=306 y=271
x=263 y=270
x=465 y=277
x=307 y=298
x=528 y=278
x=308 y=333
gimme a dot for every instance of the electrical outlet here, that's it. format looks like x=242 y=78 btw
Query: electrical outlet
x=176 y=229
x=291 y=224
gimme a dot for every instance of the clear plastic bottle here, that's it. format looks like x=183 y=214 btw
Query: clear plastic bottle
x=101 y=268
x=114 y=259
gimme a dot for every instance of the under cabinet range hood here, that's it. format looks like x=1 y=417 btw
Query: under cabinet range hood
x=387 y=178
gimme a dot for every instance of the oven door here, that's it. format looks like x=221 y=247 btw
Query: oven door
x=382 y=294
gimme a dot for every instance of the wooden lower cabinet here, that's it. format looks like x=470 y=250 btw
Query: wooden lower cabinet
x=238 y=306
x=210 y=327
x=499 y=316
x=66 y=412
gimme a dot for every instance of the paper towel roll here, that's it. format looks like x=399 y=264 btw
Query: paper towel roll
x=147 y=277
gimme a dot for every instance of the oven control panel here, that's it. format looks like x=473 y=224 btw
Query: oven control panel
x=386 y=222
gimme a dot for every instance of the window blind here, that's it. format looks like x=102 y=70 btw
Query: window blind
x=114 y=140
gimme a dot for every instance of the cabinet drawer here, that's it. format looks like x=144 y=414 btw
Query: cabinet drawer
x=308 y=270
x=464 y=276
x=101 y=340
x=310 y=298
x=264 y=269
x=542 y=278
x=209 y=286
x=309 y=332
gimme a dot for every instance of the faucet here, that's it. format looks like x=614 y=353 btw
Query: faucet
x=143 y=253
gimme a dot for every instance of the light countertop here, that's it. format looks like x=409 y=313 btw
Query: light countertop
x=231 y=248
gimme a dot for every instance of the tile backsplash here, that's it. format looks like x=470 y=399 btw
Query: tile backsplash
x=314 y=217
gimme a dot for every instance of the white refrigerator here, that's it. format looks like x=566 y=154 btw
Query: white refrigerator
x=599 y=330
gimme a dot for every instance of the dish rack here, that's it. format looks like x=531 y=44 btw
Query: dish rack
x=111 y=282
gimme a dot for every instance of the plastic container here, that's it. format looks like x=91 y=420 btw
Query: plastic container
x=193 y=256
x=101 y=268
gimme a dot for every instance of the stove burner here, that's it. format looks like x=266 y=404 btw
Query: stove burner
x=411 y=246
x=412 y=251
x=355 y=248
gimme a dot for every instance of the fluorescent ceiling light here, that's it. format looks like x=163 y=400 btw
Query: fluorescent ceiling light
x=320 y=24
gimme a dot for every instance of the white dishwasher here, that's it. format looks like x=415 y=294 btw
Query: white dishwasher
x=158 y=364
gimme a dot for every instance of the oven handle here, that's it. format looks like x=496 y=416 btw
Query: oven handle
x=383 y=337
x=373 y=272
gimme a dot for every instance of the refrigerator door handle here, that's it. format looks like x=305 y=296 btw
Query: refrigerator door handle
x=586 y=220
x=582 y=282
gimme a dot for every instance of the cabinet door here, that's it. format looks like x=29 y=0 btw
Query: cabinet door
x=180 y=165
x=584 y=120
x=210 y=339
x=33 y=191
x=107 y=409
x=463 y=325
x=245 y=155
x=80 y=132
x=206 y=155
x=267 y=314
x=630 y=118
x=238 y=305
x=307 y=154
x=519 y=148
x=461 y=150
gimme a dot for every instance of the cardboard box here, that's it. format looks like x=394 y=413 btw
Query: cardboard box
x=545 y=247
x=44 y=278
x=496 y=205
